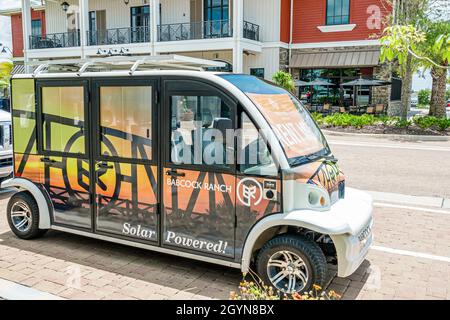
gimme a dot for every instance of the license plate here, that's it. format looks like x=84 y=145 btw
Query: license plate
x=364 y=234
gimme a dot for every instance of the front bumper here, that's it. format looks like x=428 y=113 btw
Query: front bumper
x=351 y=250
x=353 y=246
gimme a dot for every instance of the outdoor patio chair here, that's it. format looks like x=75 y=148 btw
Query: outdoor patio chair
x=342 y=110
x=326 y=108
x=379 y=109
x=370 y=110
x=354 y=110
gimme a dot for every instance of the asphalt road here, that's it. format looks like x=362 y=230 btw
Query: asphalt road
x=412 y=168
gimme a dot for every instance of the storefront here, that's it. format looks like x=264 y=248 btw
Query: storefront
x=337 y=66
x=334 y=94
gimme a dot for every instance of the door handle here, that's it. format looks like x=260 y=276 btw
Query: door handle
x=47 y=160
x=104 y=165
x=175 y=173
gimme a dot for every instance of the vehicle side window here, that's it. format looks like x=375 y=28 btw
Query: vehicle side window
x=63 y=118
x=126 y=122
x=253 y=156
x=199 y=127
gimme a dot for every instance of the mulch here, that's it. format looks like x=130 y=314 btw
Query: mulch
x=384 y=129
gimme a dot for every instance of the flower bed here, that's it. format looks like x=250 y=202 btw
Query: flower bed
x=418 y=125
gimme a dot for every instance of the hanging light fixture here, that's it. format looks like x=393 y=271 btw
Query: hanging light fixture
x=126 y=2
x=65 y=6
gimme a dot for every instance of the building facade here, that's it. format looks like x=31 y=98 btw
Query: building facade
x=335 y=41
x=332 y=40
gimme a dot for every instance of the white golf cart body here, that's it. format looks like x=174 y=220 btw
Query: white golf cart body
x=347 y=221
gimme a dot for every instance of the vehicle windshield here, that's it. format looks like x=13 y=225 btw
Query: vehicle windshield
x=300 y=138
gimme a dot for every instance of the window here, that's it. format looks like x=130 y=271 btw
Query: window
x=292 y=125
x=227 y=68
x=338 y=12
x=36 y=27
x=63 y=119
x=217 y=14
x=199 y=128
x=92 y=21
x=126 y=122
x=253 y=155
x=216 y=10
x=140 y=16
x=257 y=72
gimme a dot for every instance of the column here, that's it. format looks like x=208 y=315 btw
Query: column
x=26 y=27
x=84 y=26
x=238 y=32
x=154 y=10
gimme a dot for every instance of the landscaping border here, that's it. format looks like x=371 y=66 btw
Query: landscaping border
x=404 y=137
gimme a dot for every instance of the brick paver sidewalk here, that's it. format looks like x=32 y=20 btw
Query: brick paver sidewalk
x=80 y=268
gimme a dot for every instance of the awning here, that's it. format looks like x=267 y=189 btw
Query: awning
x=336 y=59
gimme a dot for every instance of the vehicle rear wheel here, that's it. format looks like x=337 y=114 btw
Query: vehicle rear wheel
x=23 y=216
x=291 y=263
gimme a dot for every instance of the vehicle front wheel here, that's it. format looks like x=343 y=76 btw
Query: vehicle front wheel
x=291 y=263
x=23 y=216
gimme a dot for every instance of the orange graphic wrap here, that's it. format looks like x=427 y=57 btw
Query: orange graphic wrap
x=293 y=131
x=145 y=192
x=200 y=183
x=322 y=173
x=30 y=168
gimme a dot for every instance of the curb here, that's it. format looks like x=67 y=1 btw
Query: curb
x=13 y=291
x=404 y=137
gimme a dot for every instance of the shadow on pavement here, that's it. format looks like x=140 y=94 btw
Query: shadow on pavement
x=178 y=273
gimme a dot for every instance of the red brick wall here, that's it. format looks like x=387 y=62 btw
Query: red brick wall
x=285 y=21
x=17 y=33
x=309 y=14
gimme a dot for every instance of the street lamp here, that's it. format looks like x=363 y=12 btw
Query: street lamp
x=65 y=6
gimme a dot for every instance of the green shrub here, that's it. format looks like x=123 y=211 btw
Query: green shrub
x=403 y=123
x=285 y=80
x=318 y=117
x=432 y=122
x=349 y=120
x=424 y=97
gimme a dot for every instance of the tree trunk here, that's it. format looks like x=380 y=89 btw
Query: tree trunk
x=406 y=88
x=438 y=103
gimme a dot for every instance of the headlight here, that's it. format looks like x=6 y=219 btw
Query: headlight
x=318 y=198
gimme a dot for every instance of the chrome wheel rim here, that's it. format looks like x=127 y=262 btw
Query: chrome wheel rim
x=21 y=217
x=287 y=272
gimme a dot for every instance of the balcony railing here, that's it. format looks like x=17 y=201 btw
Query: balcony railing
x=119 y=36
x=56 y=40
x=195 y=30
x=166 y=32
x=251 y=31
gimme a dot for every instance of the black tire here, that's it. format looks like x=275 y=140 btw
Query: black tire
x=314 y=261
x=32 y=230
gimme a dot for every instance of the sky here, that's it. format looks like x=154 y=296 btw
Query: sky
x=419 y=81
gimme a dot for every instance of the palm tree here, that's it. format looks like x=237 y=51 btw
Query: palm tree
x=437 y=50
x=6 y=67
x=284 y=79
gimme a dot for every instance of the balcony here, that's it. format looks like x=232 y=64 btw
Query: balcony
x=195 y=30
x=166 y=32
x=251 y=31
x=56 y=40
x=118 y=36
